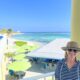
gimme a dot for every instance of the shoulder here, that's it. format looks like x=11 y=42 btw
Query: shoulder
x=78 y=63
x=61 y=62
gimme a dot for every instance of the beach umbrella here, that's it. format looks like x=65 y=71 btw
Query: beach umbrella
x=19 y=66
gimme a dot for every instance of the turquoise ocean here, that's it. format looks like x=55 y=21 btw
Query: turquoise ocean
x=43 y=37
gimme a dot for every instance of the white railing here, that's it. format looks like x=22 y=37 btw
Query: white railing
x=43 y=76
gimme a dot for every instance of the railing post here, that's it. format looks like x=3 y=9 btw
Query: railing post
x=44 y=78
x=52 y=77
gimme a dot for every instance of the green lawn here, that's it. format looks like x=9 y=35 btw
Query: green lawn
x=19 y=65
x=21 y=50
x=20 y=57
x=21 y=62
x=24 y=48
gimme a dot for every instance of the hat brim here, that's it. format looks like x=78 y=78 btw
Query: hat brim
x=66 y=48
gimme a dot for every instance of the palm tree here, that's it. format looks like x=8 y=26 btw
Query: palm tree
x=8 y=33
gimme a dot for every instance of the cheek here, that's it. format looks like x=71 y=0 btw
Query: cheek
x=72 y=55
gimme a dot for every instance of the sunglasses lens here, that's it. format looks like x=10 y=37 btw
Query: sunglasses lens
x=72 y=50
x=75 y=51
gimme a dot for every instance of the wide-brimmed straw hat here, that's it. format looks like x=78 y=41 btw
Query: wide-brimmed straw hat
x=71 y=45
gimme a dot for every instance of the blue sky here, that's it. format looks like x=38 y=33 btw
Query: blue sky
x=36 y=15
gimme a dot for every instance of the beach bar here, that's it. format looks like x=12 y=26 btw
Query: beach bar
x=50 y=51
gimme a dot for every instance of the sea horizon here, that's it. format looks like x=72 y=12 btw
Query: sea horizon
x=43 y=37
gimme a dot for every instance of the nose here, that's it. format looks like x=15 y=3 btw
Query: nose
x=72 y=52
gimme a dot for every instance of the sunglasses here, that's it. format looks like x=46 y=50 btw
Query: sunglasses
x=70 y=50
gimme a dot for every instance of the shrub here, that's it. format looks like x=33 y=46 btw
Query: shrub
x=20 y=43
x=9 y=54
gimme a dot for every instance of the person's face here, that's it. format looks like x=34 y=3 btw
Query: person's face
x=72 y=53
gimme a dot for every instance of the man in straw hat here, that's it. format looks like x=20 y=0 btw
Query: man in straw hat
x=69 y=68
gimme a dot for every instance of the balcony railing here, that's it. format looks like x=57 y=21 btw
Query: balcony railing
x=41 y=77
